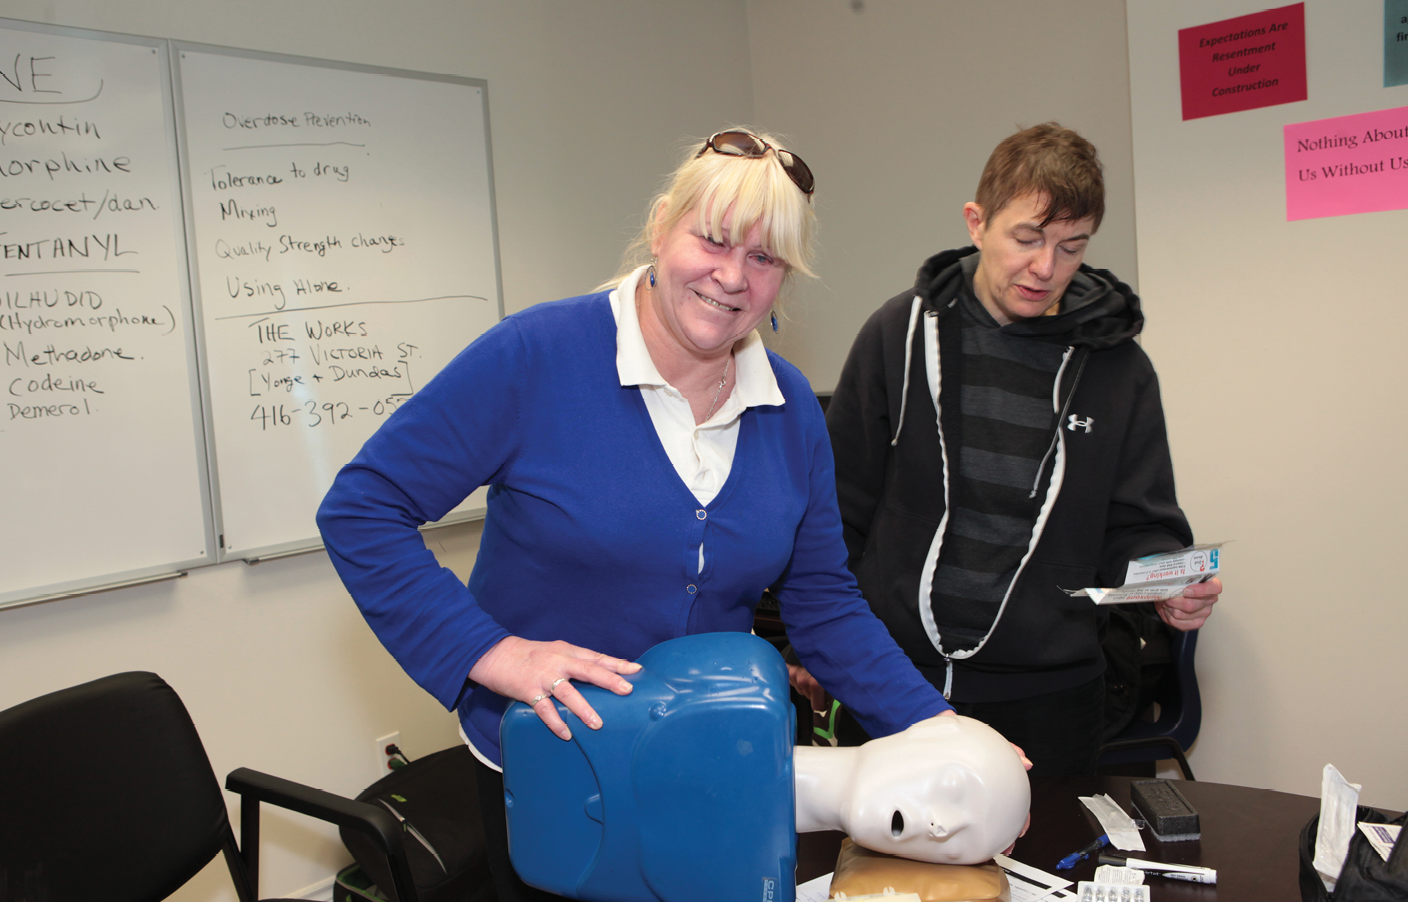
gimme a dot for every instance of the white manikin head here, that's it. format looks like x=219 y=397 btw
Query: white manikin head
x=948 y=790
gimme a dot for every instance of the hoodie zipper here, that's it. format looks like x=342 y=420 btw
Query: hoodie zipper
x=933 y=364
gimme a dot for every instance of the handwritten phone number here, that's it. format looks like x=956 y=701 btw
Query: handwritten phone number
x=312 y=414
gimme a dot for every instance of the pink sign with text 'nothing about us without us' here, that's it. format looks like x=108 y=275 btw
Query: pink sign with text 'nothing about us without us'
x=1349 y=164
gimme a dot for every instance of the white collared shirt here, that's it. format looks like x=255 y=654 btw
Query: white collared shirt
x=702 y=454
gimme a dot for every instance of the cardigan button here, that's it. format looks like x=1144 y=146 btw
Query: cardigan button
x=691 y=588
x=701 y=514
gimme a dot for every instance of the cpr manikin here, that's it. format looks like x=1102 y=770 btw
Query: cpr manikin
x=948 y=790
x=692 y=788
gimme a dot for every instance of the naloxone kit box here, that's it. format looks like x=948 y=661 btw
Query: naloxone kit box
x=1160 y=576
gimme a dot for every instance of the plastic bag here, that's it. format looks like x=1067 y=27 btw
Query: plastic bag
x=1366 y=877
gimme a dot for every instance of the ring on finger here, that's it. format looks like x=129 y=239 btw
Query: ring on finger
x=538 y=698
x=553 y=687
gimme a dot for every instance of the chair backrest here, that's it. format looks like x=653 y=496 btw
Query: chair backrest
x=106 y=794
x=1180 y=716
x=1189 y=716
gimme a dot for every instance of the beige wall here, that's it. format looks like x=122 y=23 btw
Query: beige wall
x=1282 y=416
x=896 y=108
x=1279 y=345
x=587 y=104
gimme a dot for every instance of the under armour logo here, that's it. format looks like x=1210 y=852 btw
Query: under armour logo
x=1087 y=424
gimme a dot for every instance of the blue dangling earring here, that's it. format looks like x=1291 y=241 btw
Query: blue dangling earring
x=652 y=278
x=774 y=322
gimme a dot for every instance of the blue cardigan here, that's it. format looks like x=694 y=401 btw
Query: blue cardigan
x=591 y=536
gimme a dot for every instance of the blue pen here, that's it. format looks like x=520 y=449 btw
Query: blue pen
x=1070 y=860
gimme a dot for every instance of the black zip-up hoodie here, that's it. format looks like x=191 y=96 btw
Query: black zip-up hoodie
x=1106 y=484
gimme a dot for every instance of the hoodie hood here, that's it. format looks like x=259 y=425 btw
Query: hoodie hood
x=1098 y=311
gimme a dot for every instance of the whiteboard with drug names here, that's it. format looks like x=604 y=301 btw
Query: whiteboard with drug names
x=101 y=444
x=343 y=250
x=196 y=334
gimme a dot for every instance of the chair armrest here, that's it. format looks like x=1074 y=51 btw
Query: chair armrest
x=377 y=823
x=384 y=829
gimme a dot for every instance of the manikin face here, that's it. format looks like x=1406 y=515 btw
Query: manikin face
x=1025 y=267
x=949 y=790
x=711 y=292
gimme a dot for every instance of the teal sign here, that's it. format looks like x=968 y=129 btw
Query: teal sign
x=1395 y=42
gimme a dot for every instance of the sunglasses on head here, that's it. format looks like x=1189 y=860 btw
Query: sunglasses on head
x=745 y=144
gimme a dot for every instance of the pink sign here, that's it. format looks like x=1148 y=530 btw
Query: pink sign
x=1349 y=164
x=1243 y=63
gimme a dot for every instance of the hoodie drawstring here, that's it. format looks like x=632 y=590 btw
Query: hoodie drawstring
x=908 y=356
x=1060 y=409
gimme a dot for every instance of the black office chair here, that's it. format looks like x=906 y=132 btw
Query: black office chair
x=1180 y=716
x=106 y=793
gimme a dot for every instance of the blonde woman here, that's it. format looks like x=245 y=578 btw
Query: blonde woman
x=652 y=469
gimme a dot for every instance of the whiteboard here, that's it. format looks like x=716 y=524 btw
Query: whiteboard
x=341 y=221
x=100 y=438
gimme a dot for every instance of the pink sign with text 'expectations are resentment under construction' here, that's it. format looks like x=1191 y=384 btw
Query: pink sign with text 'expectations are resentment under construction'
x=1349 y=164
x=1244 y=63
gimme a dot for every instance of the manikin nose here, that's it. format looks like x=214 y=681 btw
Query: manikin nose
x=942 y=824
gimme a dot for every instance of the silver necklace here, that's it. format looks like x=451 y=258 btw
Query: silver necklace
x=720 y=390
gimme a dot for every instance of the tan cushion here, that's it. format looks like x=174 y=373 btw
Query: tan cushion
x=861 y=872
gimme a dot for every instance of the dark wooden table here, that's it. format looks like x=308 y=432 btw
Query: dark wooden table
x=1249 y=835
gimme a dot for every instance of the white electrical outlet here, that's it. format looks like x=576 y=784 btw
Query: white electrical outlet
x=383 y=757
